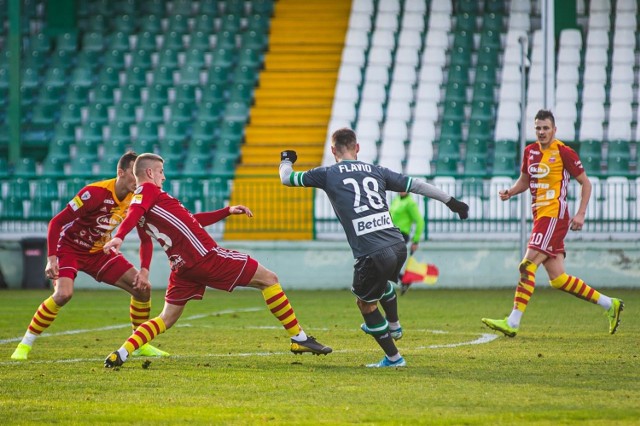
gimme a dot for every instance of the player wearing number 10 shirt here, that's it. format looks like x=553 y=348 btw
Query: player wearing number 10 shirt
x=547 y=166
x=357 y=191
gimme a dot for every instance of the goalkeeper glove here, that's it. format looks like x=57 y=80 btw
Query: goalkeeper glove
x=458 y=207
x=288 y=155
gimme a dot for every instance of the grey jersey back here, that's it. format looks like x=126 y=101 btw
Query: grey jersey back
x=357 y=192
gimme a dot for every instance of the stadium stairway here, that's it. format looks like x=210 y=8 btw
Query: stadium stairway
x=292 y=109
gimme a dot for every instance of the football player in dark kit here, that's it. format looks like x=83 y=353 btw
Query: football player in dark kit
x=357 y=192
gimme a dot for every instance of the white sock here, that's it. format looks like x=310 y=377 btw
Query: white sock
x=514 y=318
x=29 y=338
x=394 y=325
x=300 y=337
x=605 y=302
x=395 y=357
x=123 y=353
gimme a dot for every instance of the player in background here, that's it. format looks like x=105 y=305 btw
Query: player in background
x=75 y=239
x=406 y=216
x=547 y=166
x=197 y=262
x=357 y=192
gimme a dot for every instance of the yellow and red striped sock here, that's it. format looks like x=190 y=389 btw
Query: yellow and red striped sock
x=145 y=333
x=44 y=316
x=576 y=287
x=139 y=312
x=526 y=285
x=281 y=308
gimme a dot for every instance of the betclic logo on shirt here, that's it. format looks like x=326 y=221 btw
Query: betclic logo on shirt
x=372 y=223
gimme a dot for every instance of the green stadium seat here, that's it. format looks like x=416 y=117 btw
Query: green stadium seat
x=488 y=55
x=497 y=7
x=171 y=149
x=223 y=57
x=163 y=75
x=478 y=145
x=196 y=165
x=125 y=112
x=103 y=94
x=226 y=40
x=93 y=41
x=460 y=55
x=30 y=77
x=483 y=92
x=26 y=166
x=451 y=129
x=36 y=60
x=178 y=23
x=82 y=77
x=82 y=167
x=64 y=130
x=119 y=131
x=152 y=111
x=203 y=130
x=154 y=7
x=53 y=166
x=234 y=7
x=486 y=74
x=199 y=147
x=472 y=186
x=259 y=22
x=158 y=93
x=189 y=75
x=619 y=148
x=19 y=187
x=144 y=144
x=228 y=145
x=12 y=208
x=148 y=131
x=458 y=74
x=205 y=24
x=118 y=41
x=70 y=188
x=455 y=91
x=55 y=76
x=167 y=58
x=195 y=57
x=67 y=42
x=146 y=40
x=176 y=130
x=130 y=94
x=249 y=57
x=150 y=24
x=491 y=39
x=232 y=129
x=446 y=166
x=200 y=40
x=59 y=148
x=262 y=7
x=475 y=165
x=453 y=110
x=449 y=147
x=136 y=75
x=592 y=164
x=590 y=147
x=210 y=111
x=115 y=147
x=124 y=23
x=87 y=148
x=253 y=39
x=173 y=41
x=481 y=111
x=464 y=38
x=218 y=75
x=224 y=164
x=618 y=165
x=506 y=148
x=191 y=188
x=231 y=22
x=109 y=75
x=47 y=189
x=40 y=42
x=141 y=58
x=51 y=95
x=98 y=113
x=465 y=22
x=241 y=92
x=114 y=58
x=209 y=7
x=180 y=111
x=504 y=166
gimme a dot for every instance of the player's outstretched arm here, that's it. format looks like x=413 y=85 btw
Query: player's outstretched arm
x=287 y=158
x=240 y=209
x=425 y=189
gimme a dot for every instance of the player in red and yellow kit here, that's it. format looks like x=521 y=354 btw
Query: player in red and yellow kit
x=547 y=166
x=197 y=262
x=75 y=240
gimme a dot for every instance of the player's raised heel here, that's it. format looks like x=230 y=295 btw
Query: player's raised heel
x=310 y=345
x=148 y=350
x=501 y=325
x=386 y=362
x=21 y=353
x=613 y=314
x=113 y=360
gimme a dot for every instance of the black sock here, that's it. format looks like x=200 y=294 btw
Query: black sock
x=375 y=320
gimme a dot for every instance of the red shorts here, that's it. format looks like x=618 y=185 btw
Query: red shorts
x=548 y=235
x=101 y=266
x=221 y=269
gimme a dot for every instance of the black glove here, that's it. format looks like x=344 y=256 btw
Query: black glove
x=288 y=155
x=458 y=207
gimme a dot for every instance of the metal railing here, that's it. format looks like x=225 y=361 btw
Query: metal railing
x=613 y=212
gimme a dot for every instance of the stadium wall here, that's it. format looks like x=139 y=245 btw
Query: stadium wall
x=328 y=265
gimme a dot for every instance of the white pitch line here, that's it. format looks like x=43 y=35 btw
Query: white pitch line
x=116 y=327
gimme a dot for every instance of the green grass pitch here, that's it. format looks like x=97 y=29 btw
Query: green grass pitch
x=231 y=364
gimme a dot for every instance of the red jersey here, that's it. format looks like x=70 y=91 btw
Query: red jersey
x=549 y=171
x=166 y=220
x=89 y=218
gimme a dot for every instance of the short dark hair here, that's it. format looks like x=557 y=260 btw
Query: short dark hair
x=127 y=160
x=545 y=114
x=344 y=139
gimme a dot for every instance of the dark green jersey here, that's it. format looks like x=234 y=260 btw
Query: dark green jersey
x=357 y=192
